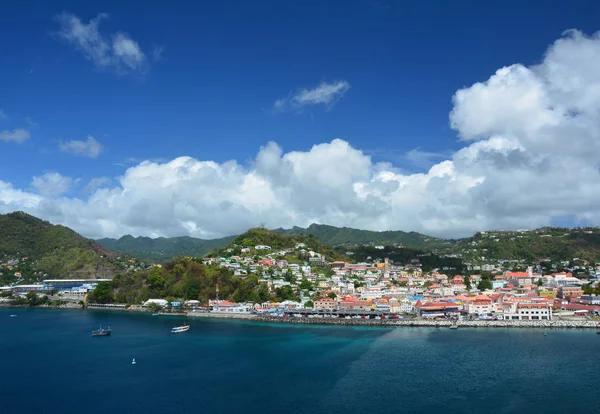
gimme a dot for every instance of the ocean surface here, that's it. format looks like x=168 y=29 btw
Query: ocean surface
x=49 y=363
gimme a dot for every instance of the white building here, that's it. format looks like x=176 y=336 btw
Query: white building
x=159 y=302
x=526 y=311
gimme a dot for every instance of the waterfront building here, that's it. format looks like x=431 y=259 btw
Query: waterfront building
x=326 y=304
x=524 y=311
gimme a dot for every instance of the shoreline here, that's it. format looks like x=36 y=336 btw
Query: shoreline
x=387 y=323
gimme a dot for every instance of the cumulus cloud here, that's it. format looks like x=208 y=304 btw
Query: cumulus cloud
x=89 y=148
x=117 y=52
x=325 y=94
x=18 y=135
x=52 y=184
x=531 y=152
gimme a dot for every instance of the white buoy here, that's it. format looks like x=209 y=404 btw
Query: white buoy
x=133 y=362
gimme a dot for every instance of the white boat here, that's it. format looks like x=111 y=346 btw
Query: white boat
x=179 y=329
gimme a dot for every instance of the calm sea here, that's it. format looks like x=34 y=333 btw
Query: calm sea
x=49 y=363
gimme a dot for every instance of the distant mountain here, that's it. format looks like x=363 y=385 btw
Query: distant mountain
x=277 y=241
x=338 y=236
x=55 y=250
x=163 y=249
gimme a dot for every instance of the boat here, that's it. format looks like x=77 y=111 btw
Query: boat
x=179 y=329
x=133 y=362
x=102 y=332
x=12 y=316
x=453 y=326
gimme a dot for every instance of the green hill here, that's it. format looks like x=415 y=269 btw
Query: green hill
x=553 y=243
x=56 y=251
x=185 y=279
x=338 y=236
x=163 y=249
x=403 y=256
x=277 y=241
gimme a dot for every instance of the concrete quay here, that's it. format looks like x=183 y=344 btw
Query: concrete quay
x=554 y=324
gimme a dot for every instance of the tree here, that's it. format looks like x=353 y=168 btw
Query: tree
x=306 y=285
x=155 y=280
x=102 y=294
x=309 y=304
x=467 y=281
x=484 y=284
x=285 y=293
x=332 y=295
x=32 y=298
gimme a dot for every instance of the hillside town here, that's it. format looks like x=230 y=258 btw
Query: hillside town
x=378 y=289
x=388 y=288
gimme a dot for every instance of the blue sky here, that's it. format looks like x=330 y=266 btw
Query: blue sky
x=209 y=75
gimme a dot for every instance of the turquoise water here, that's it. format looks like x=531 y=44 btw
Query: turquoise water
x=49 y=363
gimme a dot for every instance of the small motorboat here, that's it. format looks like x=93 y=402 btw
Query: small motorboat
x=133 y=362
x=13 y=316
x=179 y=329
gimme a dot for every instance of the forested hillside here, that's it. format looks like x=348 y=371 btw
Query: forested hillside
x=56 y=251
x=163 y=249
x=336 y=236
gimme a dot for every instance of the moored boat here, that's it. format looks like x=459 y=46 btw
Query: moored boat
x=102 y=332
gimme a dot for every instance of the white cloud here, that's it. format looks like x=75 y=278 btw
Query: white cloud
x=52 y=184
x=117 y=52
x=531 y=152
x=423 y=159
x=3 y=115
x=325 y=94
x=18 y=135
x=96 y=183
x=88 y=148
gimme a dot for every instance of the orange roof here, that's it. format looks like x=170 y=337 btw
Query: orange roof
x=532 y=305
x=516 y=274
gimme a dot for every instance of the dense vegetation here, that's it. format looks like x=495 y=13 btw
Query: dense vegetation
x=277 y=241
x=54 y=250
x=163 y=249
x=185 y=279
x=337 y=236
x=550 y=243
x=402 y=256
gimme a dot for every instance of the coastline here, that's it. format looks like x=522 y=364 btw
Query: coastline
x=388 y=323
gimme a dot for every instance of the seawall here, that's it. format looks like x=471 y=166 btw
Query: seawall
x=389 y=323
x=554 y=324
